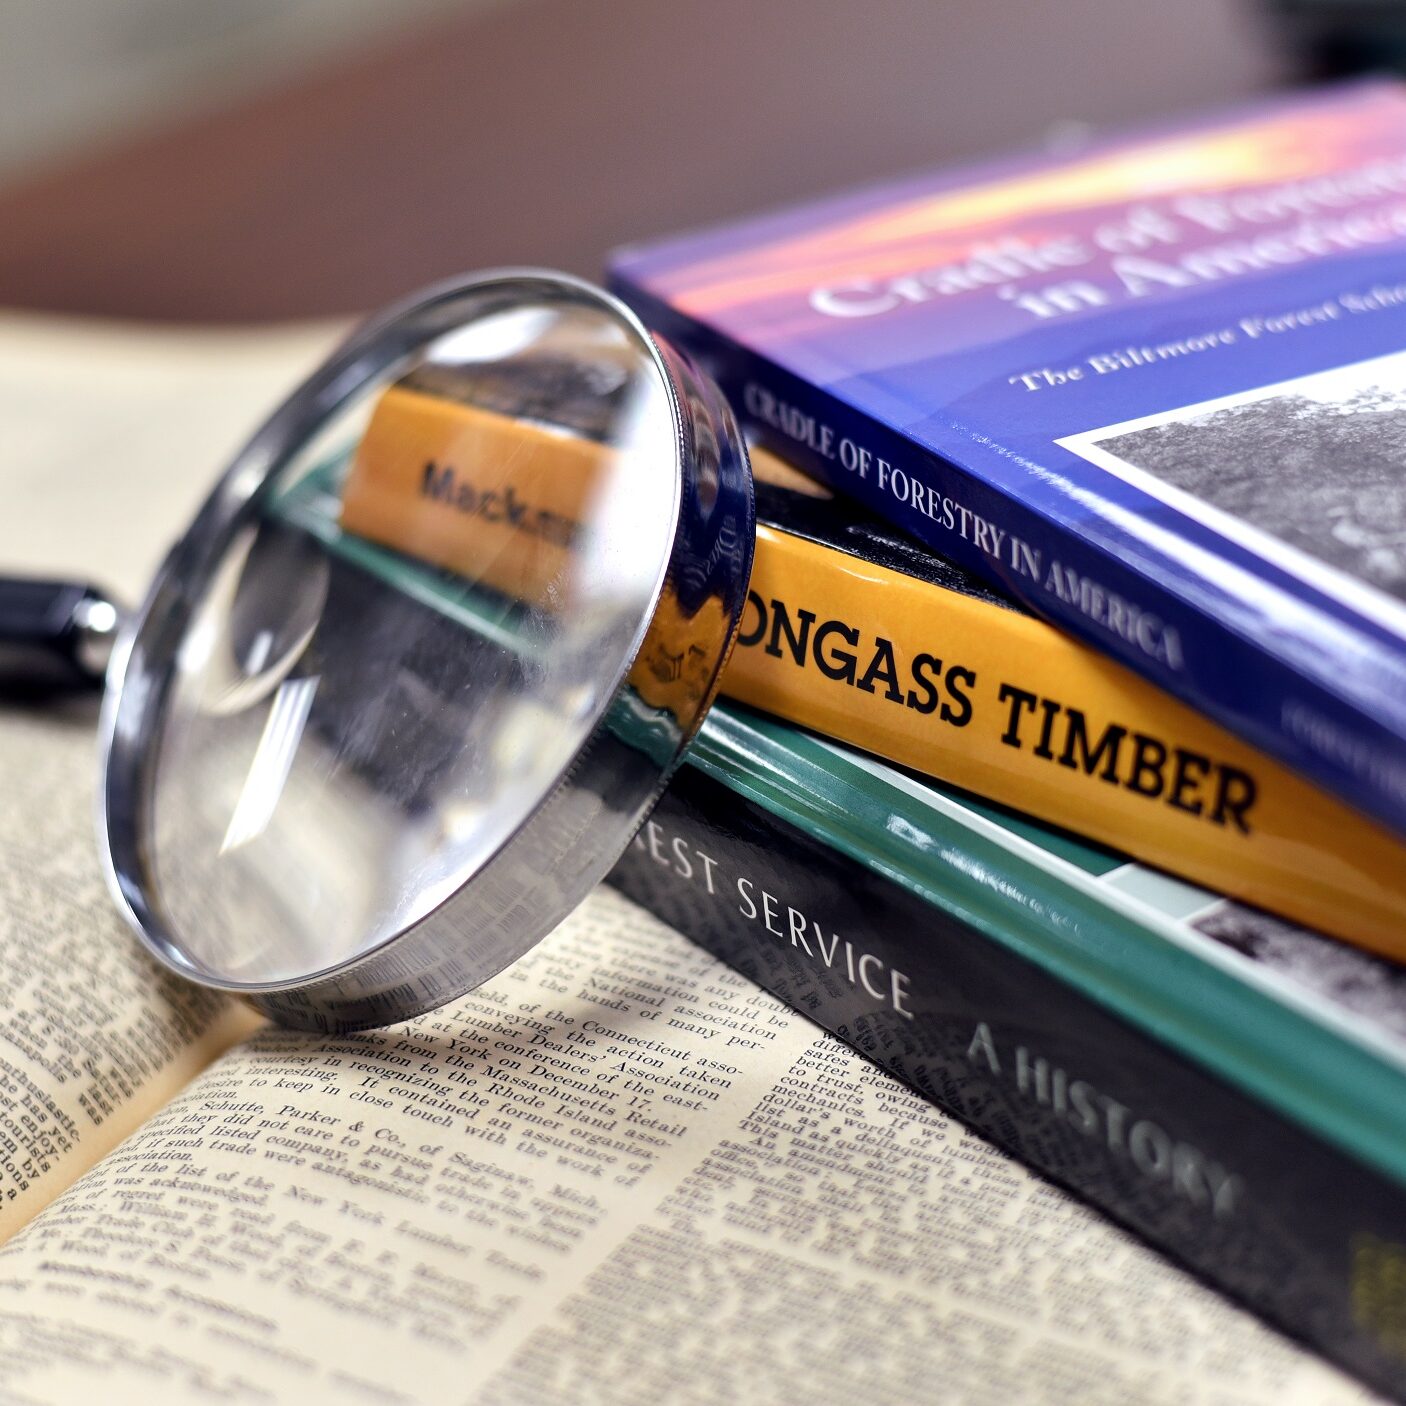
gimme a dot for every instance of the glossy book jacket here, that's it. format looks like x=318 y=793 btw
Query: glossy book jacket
x=864 y=636
x=1155 y=389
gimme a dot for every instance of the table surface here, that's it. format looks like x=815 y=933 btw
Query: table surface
x=547 y=131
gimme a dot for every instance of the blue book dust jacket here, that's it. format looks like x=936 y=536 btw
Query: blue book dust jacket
x=1155 y=389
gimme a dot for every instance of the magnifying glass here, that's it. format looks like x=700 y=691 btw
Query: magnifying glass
x=425 y=658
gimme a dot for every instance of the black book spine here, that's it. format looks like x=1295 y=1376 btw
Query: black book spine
x=1294 y=1228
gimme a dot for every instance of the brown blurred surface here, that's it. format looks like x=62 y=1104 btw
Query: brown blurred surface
x=547 y=131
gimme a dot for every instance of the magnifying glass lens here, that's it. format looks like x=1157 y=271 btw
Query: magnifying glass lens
x=404 y=638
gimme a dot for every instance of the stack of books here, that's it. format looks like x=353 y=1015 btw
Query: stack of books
x=1062 y=767
x=1102 y=549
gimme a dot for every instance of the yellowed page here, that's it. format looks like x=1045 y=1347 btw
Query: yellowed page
x=94 y=1037
x=571 y=1187
x=108 y=439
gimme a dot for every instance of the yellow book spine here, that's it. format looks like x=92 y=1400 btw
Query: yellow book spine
x=972 y=693
x=1002 y=704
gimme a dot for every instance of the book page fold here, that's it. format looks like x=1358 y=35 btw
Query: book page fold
x=619 y=1172
x=96 y=1037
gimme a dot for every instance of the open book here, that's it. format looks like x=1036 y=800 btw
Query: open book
x=619 y=1172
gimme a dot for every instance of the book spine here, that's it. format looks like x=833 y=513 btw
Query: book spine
x=1289 y=1224
x=1183 y=648
x=950 y=683
x=998 y=703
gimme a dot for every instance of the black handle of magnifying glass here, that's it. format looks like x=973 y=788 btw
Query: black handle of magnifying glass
x=55 y=636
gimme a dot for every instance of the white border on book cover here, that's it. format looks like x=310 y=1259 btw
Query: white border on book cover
x=1136 y=906
x=1330 y=580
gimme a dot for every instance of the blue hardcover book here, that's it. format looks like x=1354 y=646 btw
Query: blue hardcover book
x=1155 y=389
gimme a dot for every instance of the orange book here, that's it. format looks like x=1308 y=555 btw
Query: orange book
x=855 y=632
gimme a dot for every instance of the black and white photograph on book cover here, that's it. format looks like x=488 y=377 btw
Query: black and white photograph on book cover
x=1369 y=993
x=1305 y=472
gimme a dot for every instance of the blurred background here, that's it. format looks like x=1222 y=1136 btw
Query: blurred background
x=217 y=160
